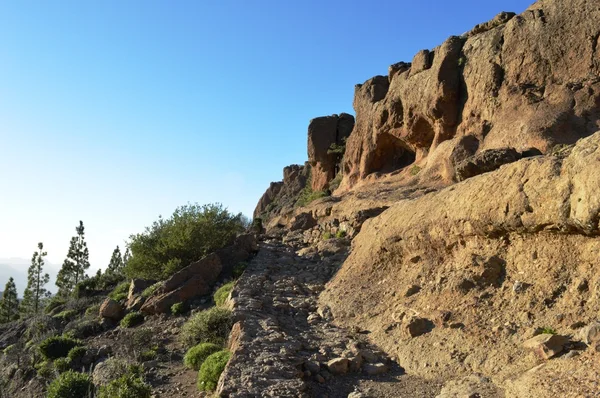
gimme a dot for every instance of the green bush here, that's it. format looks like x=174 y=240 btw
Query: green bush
x=127 y=386
x=77 y=353
x=132 y=319
x=195 y=356
x=54 y=303
x=222 y=293
x=149 y=291
x=192 y=232
x=211 y=370
x=83 y=328
x=327 y=235
x=71 y=385
x=58 y=346
x=547 y=330
x=208 y=326
x=66 y=315
x=45 y=370
x=62 y=364
x=178 y=309
x=340 y=234
x=239 y=269
x=97 y=284
x=94 y=310
x=120 y=292
x=148 y=355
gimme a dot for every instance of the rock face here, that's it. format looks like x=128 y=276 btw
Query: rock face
x=281 y=196
x=198 y=278
x=525 y=81
x=323 y=132
x=112 y=310
x=532 y=223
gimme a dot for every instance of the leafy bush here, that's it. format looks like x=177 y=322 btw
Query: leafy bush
x=327 y=235
x=178 y=309
x=71 y=385
x=76 y=353
x=120 y=292
x=93 y=310
x=129 y=385
x=53 y=303
x=83 y=328
x=149 y=291
x=222 y=293
x=132 y=319
x=195 y=356
x=66 y=315
x=239 y=269
x=45 y=370
x=62 y=364
x=547 y=330
x=211 y=370
x=192 y=232
x=208 y=326
x=98 y=284
x=58 y=346
x=148 y=355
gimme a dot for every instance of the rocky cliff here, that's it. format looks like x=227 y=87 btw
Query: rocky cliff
x=470 y=193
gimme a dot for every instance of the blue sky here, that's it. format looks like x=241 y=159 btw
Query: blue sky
x=114 y=112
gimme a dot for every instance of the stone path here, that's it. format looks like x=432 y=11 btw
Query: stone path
x=285 y=346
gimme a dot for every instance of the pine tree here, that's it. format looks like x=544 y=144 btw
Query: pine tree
x=9 y=304
x=35 y=293
x=75 y=265
x=116 y=262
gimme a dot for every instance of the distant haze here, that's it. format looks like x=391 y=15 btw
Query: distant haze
x=17 y=268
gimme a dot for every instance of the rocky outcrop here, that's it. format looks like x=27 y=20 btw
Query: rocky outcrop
x=323 y=132
x=500 y=255
x=112 y=310
x=281 y=196
x=525 y=81
x=198 y=278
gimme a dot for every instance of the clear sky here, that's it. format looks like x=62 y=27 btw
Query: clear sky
x=113 y=112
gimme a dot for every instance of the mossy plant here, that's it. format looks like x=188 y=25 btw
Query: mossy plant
x=208 y=326
x=222 y=293
x=58 y=346
x=195 y=356
x=211 y=370
x=71 y=385
x=120 y=292
x=178 y=309
x=132 y=319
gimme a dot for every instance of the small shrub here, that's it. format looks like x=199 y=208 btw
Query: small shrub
x=208 y=326
x=127 y=386
x=62 y=364
x=76 y=353
x=195 y=356
x=66 y=315
x=58 y=346
x=53 y=303
x=257 y=225
x=547 y=330
x=211 y=370
x=45 y=370
x=71 y=385
x=239 y=269
x=178 y=309
x=327 y=235
x=222 y=293
x=307 y=195
x=335 y=183
x=415 y=170
x=149 y=291
x=83 y=328
x=120 y=292
x=340 y=234
x=148 y=355
x=132 y=319
x=94 y=310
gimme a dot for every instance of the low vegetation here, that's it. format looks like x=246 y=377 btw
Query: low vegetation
x=178 y=309
x=195 y=356
x=222 y=293
x=120 y=292
x=149 y=291
x=71 y=385
x=129 y=385
x=211 y=370
x=307 y=195
x=58 y=347
x=132 y=319
x=208 y=326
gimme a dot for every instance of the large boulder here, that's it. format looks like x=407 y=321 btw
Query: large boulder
x=111 y=309
x=281 y=196
x=323 y=132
